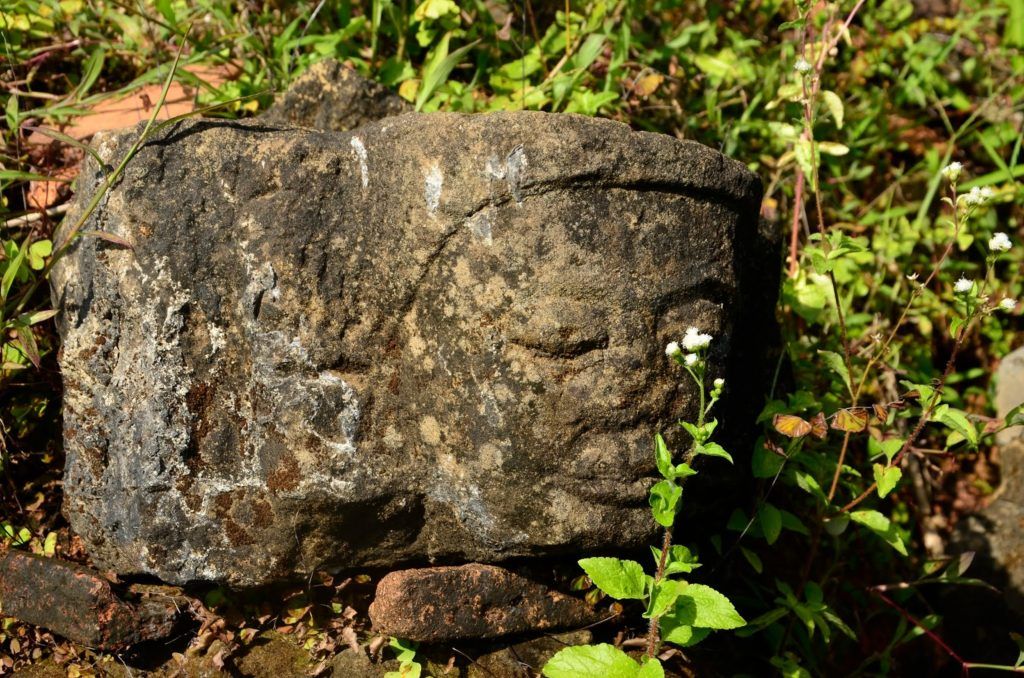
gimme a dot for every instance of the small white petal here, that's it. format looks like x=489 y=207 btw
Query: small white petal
x=952 y=171
x=691 y=359
x=671 y=349
x=1008 y=304
x=963 y=286
x=719 y=383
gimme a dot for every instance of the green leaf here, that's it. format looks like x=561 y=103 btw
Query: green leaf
x=703 y=607
x=771 y=522
x=957 y=420
x=888 y=447
x=887 y=477
x=834 y=105
x=663 y=458
x=714 y=450
x=93 y=68
x=651 y=669
x=882 y=526
x=664 y=499
x=590 y=661
x=12 y=270
x=37 y=253
x=438 y=67
x=682 y=635
x=836 y=363
x=683 y=470
x=680 y=560
x=663 y=597
x=620 y=579
x=589 y=51
x=753 y=559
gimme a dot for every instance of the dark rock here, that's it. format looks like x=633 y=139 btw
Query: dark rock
x=332 y=96
x=78 y=603
x=437 y=337
x=439 y=604
x=996 y=533
x=525 y=659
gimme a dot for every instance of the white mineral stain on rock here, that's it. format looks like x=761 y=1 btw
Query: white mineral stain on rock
x=432 y=187
x=515 y=169
x=360 y=150
x=217 y=341
x=480 y=226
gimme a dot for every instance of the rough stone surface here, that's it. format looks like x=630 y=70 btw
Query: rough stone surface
x=78 y=603
x=438 y=337
x=439 y=604
x=997 y=532
x=332 y=96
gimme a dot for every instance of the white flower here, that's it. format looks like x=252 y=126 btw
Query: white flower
x=978 y=196
x=963 y=286
x=694 y=340
x=912 y=276
x=719 y=383
x=691 y=359
x=1000 y=242
x=952 y=172
x=1007 y=304
x=672 y=349
x=802 y=65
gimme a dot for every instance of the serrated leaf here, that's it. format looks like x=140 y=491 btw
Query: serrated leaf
x=620 y=579
x=834 y=105
x=703 y=607
x=887 y=477
x=881 y=526
x=663 y=597
x=590 y=661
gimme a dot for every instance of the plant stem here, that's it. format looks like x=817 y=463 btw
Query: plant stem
x=652 y=629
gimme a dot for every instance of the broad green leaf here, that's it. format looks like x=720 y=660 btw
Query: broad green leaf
x=651 y=669
x=37 y=253
x=771 y=522
x=620 y=579
x=957 y=420
x=703 y=607
x=663 y=596
x=882 y=526
x=887 y=477
x=589 y=51
x=683 y=470
x=591 y=661
x=682 y=635
x=664 y=499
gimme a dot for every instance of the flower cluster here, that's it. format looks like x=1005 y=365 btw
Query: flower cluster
x=802 y=65
x=952 y=172
x=977 y=197
x=963 y=286
x=694 y=341
x=1000 y=242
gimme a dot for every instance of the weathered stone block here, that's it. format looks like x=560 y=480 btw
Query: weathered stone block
x=442 y=604
x=435 y=337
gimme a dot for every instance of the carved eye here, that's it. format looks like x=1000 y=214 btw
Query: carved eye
x=560 y=328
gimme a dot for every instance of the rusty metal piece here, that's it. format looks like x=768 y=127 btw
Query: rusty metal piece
x=78 y=603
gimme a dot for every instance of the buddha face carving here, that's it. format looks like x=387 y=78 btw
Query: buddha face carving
x=436 y=337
